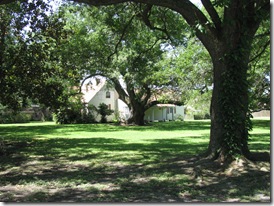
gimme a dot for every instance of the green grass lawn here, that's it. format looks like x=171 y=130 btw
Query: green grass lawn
x=45 y=162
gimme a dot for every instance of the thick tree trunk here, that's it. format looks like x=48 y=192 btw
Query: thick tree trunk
x=139 y=118
x=229 y=106
x=229 y=110
x=138 y=114
x=230 y=53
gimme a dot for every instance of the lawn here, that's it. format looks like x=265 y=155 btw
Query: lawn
x=45 y=162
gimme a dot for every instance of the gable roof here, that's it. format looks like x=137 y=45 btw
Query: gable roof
x=90 y=90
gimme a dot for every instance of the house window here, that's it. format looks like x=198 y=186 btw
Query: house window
x=107 y=94
x=171 y=110
x=109 y=106
x=174 y=110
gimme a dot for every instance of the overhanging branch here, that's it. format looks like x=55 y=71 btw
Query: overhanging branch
x=261 y=52
x=86 y=78
x=213 y=14
x=145 y=17
x=121 y=37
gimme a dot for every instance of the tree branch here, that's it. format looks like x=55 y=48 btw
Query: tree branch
x=86 y=78
x=121 y=38
x=120 y=90
x=145 y=18
x=262 y=35
x=193 y=15
x=213 y=14
x=261 y=52
x=186 y=8
x=147 y=94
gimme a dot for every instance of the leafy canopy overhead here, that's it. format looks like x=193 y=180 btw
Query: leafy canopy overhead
x=31 y=38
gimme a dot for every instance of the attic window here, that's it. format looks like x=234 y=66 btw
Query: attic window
x=98 y=81
x=107 y=94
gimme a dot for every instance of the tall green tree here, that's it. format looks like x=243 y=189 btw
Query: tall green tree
x=109 y=44
x=30 y=68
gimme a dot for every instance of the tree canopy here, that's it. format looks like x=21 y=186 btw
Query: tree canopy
x=108 y=43
x=31 y=39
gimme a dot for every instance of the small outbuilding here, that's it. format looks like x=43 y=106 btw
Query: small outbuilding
x=164 y=112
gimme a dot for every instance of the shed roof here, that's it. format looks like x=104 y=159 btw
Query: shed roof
x=165 y=105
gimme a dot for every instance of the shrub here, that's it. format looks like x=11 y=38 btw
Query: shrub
x=65 y=116
x=201 y=116
x=104 y=111
x=75 y=114
x=179 y=118
x=10 y=117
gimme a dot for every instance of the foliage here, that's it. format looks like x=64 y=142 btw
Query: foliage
x=105 y=43
x=259 y=72
x=74 y=113
x=235 y=114
x=31 y=36
x=88 y=114
x=67 y=116
x=200 y=115
x=9 y=117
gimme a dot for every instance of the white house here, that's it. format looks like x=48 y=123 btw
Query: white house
x=97 y=91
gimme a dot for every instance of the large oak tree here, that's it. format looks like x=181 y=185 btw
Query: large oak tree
x=108 y=43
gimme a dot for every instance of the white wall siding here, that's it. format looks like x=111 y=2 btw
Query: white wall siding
x=101 y=97
x=164 y=113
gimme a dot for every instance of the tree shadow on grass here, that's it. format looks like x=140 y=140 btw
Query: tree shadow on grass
x=98 y=148
x=113 y=170
x=260 y=123
x=135 y=183
x=259 y=142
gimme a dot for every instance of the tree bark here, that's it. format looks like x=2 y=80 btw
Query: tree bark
x=138 y=114
x=229 y=105
x=229 y=110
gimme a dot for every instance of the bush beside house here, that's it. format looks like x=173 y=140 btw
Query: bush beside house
x=33 y=113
